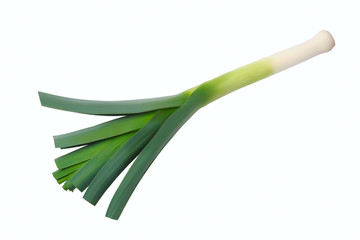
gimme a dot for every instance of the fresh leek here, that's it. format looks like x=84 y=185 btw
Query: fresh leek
x=145 y=126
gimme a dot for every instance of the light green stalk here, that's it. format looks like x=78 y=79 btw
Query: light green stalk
x=218 y=87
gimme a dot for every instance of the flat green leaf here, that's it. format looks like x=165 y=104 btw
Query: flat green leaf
x=85 y=175
x=147 y=156
x=102 y=131
x=111 y=107
x=80 y=155
x=60 y=173
x=124 y=156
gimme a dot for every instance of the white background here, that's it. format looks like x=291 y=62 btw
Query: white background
x=279 y=159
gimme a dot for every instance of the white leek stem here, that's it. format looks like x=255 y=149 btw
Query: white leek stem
x=265 y=67
x=320 y=43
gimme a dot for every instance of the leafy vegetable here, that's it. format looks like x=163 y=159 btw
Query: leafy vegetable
x=145 y=126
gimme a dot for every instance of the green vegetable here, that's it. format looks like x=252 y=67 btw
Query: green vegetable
x=145 y=126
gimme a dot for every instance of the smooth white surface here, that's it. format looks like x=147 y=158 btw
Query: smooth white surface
x=277 y=160
x=320 y=43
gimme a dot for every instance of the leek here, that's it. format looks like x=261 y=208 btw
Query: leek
x=145 y=126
